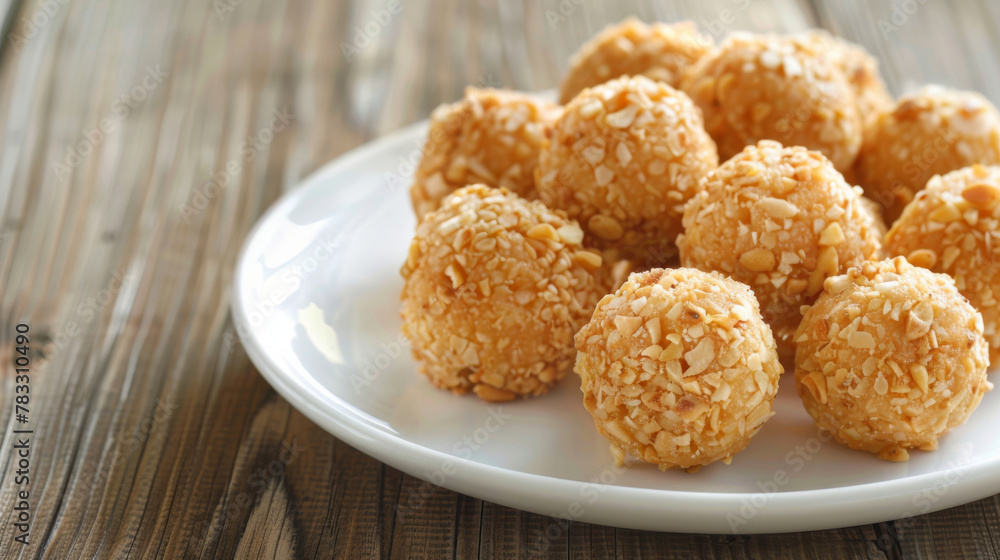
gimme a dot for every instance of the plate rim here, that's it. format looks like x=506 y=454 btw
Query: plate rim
x=700 y=509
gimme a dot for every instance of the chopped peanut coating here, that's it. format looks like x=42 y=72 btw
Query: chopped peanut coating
x=677 y=368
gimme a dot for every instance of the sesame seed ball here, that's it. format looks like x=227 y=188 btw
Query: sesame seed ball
x=658 y=51
x=953 y=226
x=677 y=368
x=780 y=220
x=861 y=70
x=890 y=357
x=755 y=87
x=622 y=160
x=490 y=137
x=495 y=288
x=929 y=132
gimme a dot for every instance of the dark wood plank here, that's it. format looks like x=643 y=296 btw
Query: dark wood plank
x=468 y=527
x=587 y=540
x=424 y=525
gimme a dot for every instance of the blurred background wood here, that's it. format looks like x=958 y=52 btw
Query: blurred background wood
x=154 y=435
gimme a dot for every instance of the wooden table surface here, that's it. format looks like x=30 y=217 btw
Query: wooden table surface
x=152 y=433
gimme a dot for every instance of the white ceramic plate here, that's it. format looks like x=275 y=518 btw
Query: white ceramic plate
x=316 y=304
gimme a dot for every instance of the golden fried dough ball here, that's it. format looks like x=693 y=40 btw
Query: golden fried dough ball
x=890 y=357
x=677 y=368
x=861 y=70
x=490 y=137
x=495 y=288
x=622 y=160
x=658 y=51
x=953 y=226
x=780 y=220
x=930 y=132
x=755 y=87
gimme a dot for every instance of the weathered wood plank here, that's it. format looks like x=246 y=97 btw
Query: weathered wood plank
x=155 y=435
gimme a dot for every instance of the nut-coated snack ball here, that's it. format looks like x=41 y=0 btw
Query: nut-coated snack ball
x=953 y=226
x=890 y=357
x=755 y=87
x=495 y=288
x=622 y=160
x=781 y=220
x=658 y=51
x=929 y=132
x=861 y=70
x=490 y=137
x=677 y=368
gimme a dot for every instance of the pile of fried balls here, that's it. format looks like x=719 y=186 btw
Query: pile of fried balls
x=690 y=217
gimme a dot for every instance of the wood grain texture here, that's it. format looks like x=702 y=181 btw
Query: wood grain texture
x=154 y=435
